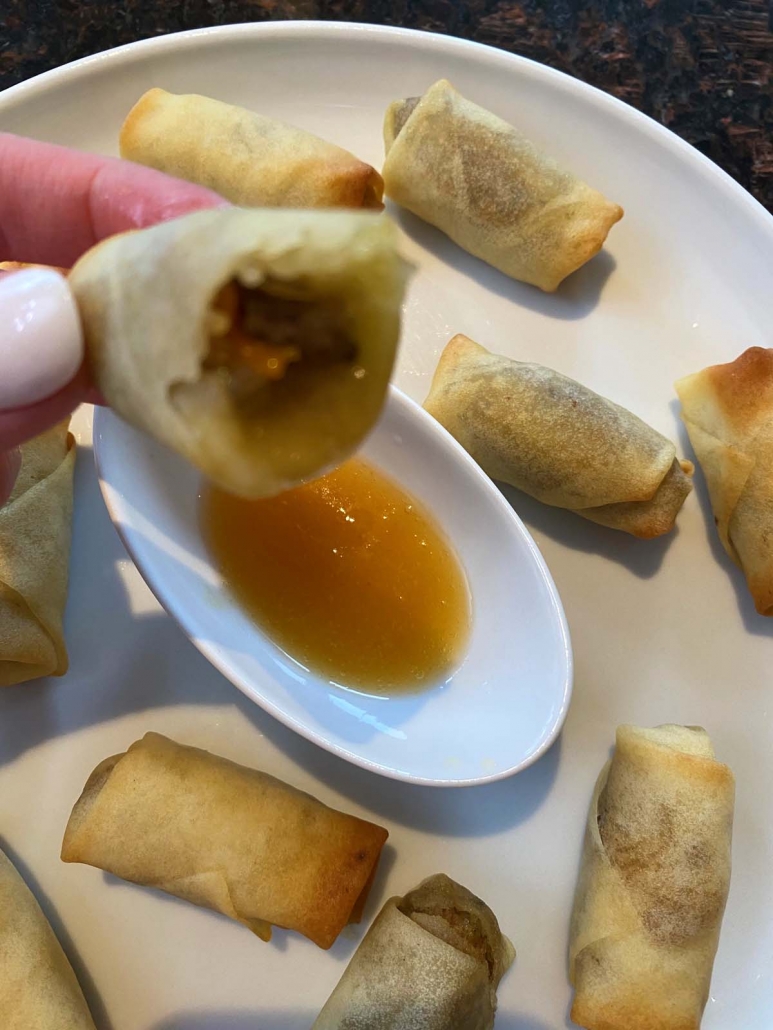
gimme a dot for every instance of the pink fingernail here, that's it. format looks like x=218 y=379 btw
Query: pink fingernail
x=41 y=342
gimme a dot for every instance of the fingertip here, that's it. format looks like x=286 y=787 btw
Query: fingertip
x=56 y=202
x=126 y=195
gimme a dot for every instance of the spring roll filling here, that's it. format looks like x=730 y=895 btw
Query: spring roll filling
x=403 y=112
x=462 y=930
x=259 y=335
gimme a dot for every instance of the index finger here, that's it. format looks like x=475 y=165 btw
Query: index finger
x=56 y=203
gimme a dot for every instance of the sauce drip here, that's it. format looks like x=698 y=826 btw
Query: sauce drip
x=349 y=575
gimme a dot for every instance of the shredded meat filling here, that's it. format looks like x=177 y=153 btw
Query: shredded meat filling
x=256 y=336
x=403 y=113
x=461 y=929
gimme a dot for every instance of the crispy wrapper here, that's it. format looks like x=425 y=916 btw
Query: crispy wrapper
x=468 y=172
x=225 y=837
x=246 y=157
x=35 y=529
x=432 y=960
x=728 y=412
x=653 y=884
x=558 y=441
x=319 y=292
x=38 y=989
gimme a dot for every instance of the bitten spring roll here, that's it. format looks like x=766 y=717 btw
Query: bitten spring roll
x=225 y=837
x=477 y=178
x=432 y=960
x=653 y=884
x=38 y=989
x=257 y=344
x=728 y=412
x=246 y=157
x=558 y=441
x=35 y=528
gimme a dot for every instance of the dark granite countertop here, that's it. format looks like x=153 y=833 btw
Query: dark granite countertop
x=702 y=67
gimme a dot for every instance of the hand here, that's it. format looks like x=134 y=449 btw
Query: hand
x=55 y=204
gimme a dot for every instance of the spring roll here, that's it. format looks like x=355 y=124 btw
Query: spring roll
x=246 y=157
x=225 y=837
x=477 y=178
x=35 y=527
x=728 y=412
x=38 y=989
x=558 y=441
x=653 y=883
x=432 y=960
x=257 y=344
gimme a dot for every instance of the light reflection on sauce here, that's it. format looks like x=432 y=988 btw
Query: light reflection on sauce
x=349 y=575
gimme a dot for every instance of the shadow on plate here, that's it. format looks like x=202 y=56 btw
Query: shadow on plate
x=273 y=1019
x=574 y=299
x=259 y=1019
x=81 y=972
x=642 y=557
x=759 y=625
x=444 y=811
x=568 y=1021
x=509 y=1021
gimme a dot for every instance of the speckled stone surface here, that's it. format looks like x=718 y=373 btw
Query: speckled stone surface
x=704 y=68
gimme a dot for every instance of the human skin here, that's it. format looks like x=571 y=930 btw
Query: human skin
x=56 y=203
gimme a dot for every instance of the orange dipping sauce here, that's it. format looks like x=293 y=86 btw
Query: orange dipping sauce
x=349 y=575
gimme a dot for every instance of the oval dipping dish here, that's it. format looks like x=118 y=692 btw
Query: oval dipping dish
x=495 y=714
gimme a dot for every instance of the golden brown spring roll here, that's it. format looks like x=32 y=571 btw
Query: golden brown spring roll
x=728 y=411
x=653 y=883
x=432 y=960
x=35 y=527
x=38 y=989
x=558 y=441
x=225 y=837
x=246 y=157
x=257 y=344
x=468 y=172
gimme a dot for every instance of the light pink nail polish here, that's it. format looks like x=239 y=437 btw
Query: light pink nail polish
x=41 y=342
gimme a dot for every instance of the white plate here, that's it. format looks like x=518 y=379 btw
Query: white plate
x=662 y=631
x=494 y=715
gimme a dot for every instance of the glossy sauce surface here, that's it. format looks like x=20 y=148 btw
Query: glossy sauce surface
x=349 y=575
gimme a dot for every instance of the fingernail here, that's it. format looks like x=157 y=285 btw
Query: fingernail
x=41 y=343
